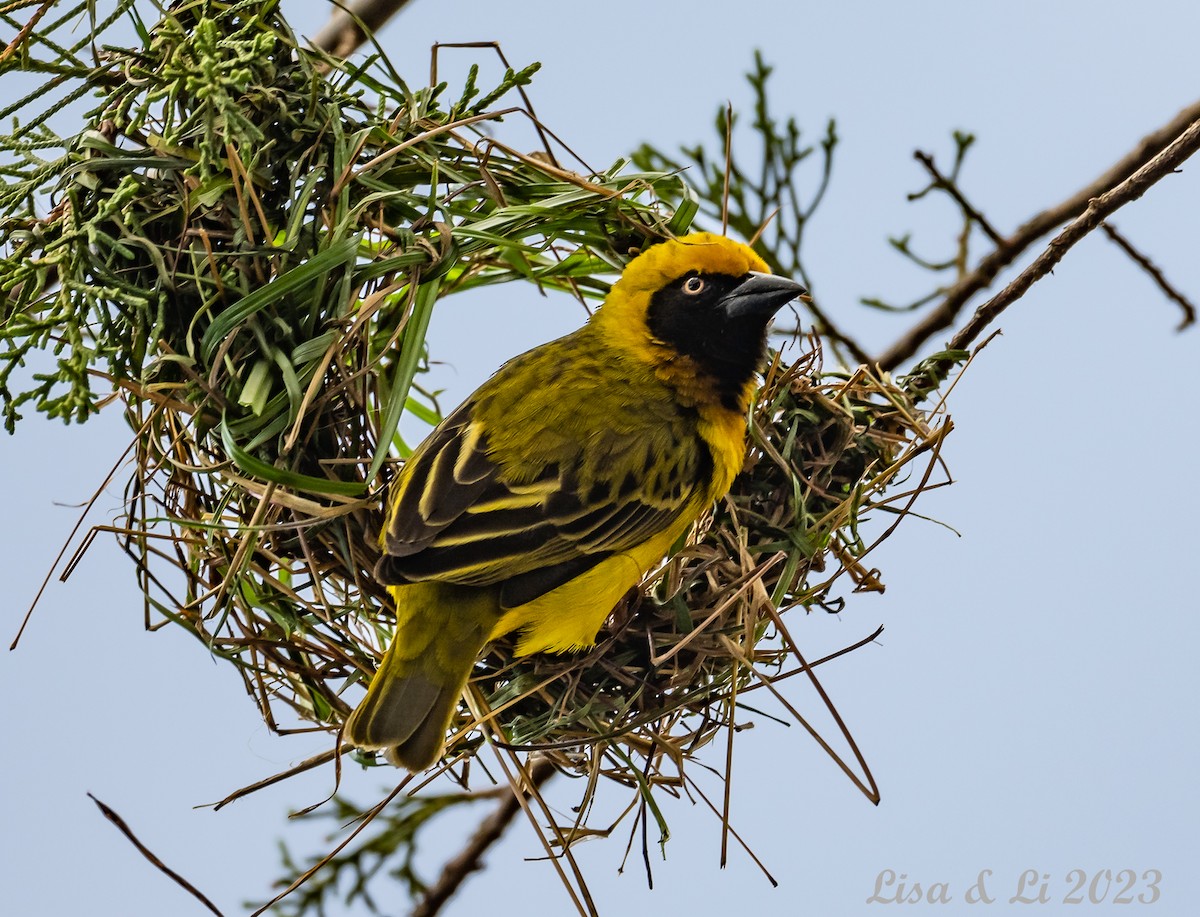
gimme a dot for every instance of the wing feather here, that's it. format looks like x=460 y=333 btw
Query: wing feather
x=455 y=516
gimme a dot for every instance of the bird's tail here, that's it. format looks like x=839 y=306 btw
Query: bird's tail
x=440 y=631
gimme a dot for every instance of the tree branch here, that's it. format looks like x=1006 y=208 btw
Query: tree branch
x=490 y=830
x=349 y=25
x=1129 y=190
x=1003 y=255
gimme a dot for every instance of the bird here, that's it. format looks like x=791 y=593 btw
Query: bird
x=548 y=494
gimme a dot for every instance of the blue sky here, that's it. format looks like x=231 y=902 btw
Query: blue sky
x=1030 y=705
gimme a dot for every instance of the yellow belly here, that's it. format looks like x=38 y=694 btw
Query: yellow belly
x=569 y=617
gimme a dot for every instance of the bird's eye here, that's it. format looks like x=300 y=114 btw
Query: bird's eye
x=693 y=285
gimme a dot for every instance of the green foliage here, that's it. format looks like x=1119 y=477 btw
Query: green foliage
x=235 y=205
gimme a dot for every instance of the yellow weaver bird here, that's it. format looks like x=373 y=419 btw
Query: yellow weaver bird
x=541 y=500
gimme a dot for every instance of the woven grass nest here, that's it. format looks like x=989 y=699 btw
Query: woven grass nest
x=279 y=583
x=253 y=268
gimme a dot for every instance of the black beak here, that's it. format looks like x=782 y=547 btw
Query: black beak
x=760 y=295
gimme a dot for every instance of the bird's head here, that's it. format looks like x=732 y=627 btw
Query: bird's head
x=697 y=305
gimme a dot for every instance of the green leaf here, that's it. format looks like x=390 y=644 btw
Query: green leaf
x=257 y=388
x=406 y=368
x=685 y=211
x=263 y=471
x=306 y=274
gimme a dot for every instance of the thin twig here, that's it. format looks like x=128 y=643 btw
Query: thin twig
x=737 y=837
x=579 y=893
x=78 y=523
x=308 y=764
x=367 y=817
x=154 y=860
x=945 y=184
x=469 y=859
x=1189 y=310
x=728 y=167
x=1098 y=208
x=990 y=265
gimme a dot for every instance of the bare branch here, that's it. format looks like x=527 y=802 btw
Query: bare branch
x=1129 y=190
x=1189 y=310
x=350 y=23
x=950 y=187
x=985 y=271
x=490 y=830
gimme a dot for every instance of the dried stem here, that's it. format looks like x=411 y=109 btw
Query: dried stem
x=26 y=30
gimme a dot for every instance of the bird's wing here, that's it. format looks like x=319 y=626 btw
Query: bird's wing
x=455 y=515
